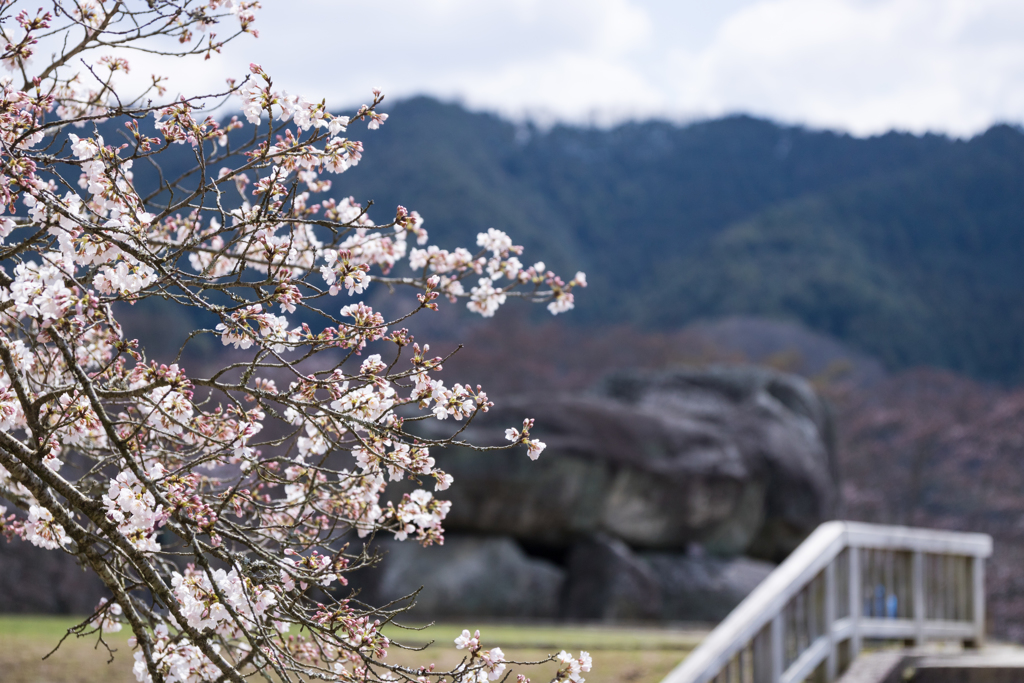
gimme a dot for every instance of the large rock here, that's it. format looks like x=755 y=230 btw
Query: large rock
x=602 y=579
x=467 y=577
x=738 y=460
x=607 y=582
x=696 y=588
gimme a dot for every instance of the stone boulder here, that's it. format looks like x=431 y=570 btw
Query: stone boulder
x=599 y=578
x=468 y=576
x=739 y=460
x=702 y=588
x=608 y=582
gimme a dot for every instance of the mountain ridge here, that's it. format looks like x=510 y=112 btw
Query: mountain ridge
x=904 y=246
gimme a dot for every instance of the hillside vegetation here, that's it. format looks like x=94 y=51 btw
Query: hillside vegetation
x=905 y=247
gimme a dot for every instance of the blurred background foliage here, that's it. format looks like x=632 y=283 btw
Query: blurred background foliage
x=905 y=247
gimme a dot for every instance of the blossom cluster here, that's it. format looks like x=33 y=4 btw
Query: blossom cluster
x=220 y=599
x=134 y=509
x=42 y=530
x=175 y=660
x=572 y=668
x=534 y=446
x=107 y=617
x=483 y=665
x=266 y=467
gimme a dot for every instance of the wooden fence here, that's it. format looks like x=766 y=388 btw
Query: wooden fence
x=846 y=583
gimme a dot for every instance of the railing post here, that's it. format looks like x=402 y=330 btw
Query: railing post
x=978 y=581
x=832 y=662
x=918 y=583
x=777 y=649
x=762 y=659
x=856 y=603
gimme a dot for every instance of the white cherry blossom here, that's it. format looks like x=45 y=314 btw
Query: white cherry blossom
x=217 y=498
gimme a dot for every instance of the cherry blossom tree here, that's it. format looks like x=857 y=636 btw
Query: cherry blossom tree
x=222 y=510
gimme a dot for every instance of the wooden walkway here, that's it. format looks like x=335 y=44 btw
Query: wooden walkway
x=999 y=664
x=848 y=582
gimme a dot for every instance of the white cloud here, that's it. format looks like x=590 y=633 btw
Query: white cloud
x=567 y=86
x=919 y=65
x=861 y=65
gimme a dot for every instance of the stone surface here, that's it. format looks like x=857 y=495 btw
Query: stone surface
x=468 y=576
x=738 y=460
x=703 y=588
x=607 y=582
x=599 y=578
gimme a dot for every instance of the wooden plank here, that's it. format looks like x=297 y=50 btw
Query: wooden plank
x=935 y=629
x=917 y=579
x=926 y=540
x=895 y=629
x=856 y=603
x=777 y=649
x=843 y=629
x=761 y=650
x=963 y=589
x=978 y=600
x=901 y=629
x=832 y=660
x=807 y=662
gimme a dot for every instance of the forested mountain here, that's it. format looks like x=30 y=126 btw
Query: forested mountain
x=907 y=247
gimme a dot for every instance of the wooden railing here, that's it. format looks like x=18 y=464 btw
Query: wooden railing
x=846 y=583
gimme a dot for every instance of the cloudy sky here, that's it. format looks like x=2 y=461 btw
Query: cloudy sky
x=865 y=66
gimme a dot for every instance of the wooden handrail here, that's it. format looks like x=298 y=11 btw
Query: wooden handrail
x=898 y=583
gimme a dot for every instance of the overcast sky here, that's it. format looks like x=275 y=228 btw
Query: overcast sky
x=865 y=66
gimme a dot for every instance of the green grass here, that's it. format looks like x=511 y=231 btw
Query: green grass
x=621 y=654
x=26 y=640
x=547 y=636
x=34 y=626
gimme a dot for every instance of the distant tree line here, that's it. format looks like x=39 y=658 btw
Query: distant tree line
x=906 y=247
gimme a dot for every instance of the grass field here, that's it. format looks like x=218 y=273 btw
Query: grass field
x=621 y=655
